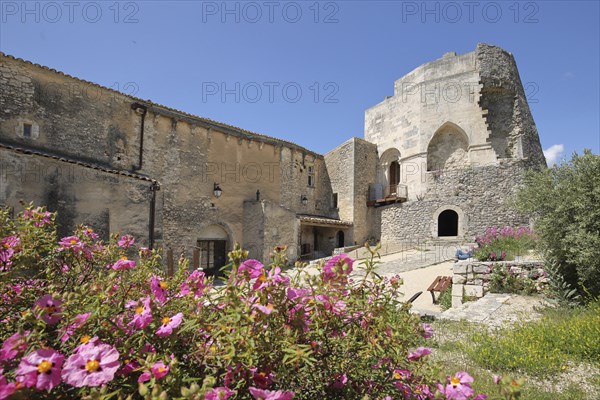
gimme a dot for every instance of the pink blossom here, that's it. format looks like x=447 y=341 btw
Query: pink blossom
x=194 y=283
x=13 y=346
x=261 y=379
x=38 y=215
x=92 y=365
x=268 y=309
x=458 y=387
x=420 y=352
x=427 y=331
x=89 y=232
x=71 y=242
x=339 y=381
x=51 y=311
x=337 y=269
x=159 y=370
x=78 y=322
x=219 y=393
x=128 y=368
x=126 y=241
x=123 y=263
x=143 y=313
x=261 y=394
x=293 y=293
x=6 y=389
x=41 y=368
x=168 y=324
x=159 y=289
x=250 y=269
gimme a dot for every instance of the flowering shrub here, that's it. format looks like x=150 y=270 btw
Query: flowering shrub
x=499 y=244
x=83 y=318
x=517 y=279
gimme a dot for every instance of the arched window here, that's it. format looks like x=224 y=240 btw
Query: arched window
x=448 y=223
x=448 y=148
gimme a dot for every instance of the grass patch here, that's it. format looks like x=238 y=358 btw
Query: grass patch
x=543 y=347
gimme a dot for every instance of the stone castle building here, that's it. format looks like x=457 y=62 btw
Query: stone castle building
x=437 y=161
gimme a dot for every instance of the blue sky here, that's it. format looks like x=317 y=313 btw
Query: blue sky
x=305 y=71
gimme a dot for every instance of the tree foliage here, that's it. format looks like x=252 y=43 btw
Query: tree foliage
x=565 y=203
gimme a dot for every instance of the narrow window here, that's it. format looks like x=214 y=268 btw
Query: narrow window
x=335 y=200
x=27 y=130
x=311 y=176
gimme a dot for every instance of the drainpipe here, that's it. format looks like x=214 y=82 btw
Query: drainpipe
x=154 y=188
x=140 y=110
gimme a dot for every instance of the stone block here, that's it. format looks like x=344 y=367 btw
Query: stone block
x=460 y=268
x=473 y=290
x=457 y=290
x=458 y=279
x=456 y=301
x=480 y=269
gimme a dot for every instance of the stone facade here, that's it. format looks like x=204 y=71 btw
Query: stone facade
x=452 y=142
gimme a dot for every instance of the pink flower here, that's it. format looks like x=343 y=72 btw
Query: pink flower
x=293 y=293
x=219 y=393
x=420 y=352
x=260 y=394
x=126 y=241
x=89 y=232
x=195 y=282
x=39 y=216
x=78 y=322
x=168 y=324
x=339 y=381
x=427 y=331
x=159 y=370
x=92 y=365
x=6 y=389
x=337 y=269
x=261 y=379
x=268 y=309
x=123 y=263
x=41 y=368
x=458 y=387
x=250 y=269
x=50 y=309
x=71 y=242
x=143 y=313
x=13 y=346
x=128 y=368
x=159 y=289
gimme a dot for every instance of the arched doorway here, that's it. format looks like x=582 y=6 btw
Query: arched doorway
x=340 y=239
x=448 y=223
x=213 y=242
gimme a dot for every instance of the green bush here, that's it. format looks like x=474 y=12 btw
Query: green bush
x=84 y=318
x=565 y=202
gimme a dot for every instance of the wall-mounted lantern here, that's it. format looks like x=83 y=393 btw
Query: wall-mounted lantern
x=217 y=190
x=304 y=200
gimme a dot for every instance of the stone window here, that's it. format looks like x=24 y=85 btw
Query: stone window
x=27 y=130
x=335 y=201
x=311 y=176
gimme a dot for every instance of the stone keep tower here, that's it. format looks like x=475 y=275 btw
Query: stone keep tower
x=453 y=143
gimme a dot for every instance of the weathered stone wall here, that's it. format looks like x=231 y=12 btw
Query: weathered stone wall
x=513 y=133
x=477 y=194
x=352 y=167
x=472 y=278
x=107 y=202
x=83 y=121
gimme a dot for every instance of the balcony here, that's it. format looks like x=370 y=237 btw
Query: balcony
x=380 y=195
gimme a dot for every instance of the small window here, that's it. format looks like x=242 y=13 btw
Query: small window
x=27 y=130
x=335 y=200
x=311 y=176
